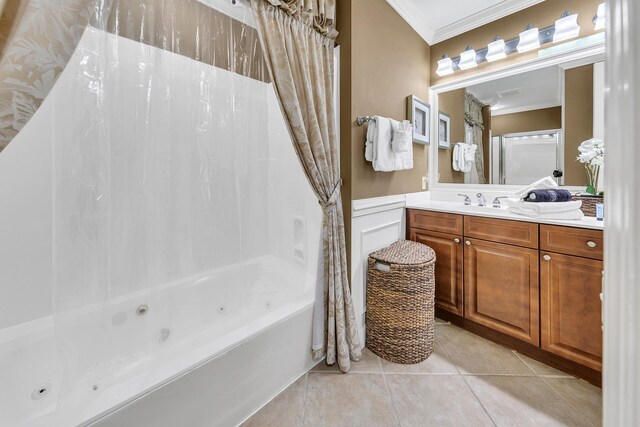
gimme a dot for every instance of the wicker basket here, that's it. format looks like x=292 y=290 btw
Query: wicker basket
x=400 y=302
x=588 y=207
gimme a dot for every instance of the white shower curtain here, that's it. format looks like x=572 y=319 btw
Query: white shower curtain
x=171 y=160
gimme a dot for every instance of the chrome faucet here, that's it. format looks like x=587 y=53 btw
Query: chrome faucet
x=467 y=200
x=496 y=201
x=481 y=200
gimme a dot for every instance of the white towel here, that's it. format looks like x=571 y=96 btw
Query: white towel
x=402 y=136
x=548 y=210
x=469 y=154
x=371 y=137
x=546 y=183
x=570 y=215
x=455 y=156
x=464 y=156
x=545 y=207
x=384 y=159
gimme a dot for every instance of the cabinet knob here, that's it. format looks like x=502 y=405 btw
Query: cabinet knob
x=468 y=243
x=591 y=244
x=546 y=257
x=456 y=240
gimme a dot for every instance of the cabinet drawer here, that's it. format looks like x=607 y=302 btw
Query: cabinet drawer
x=502 y=231
x=435 y=221
x=572 y=241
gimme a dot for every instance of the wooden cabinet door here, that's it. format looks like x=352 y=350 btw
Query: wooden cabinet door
x=571 y=308
x=448 y=249
x=501 y=288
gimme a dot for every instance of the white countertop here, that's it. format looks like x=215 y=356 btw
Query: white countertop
x=502 y=213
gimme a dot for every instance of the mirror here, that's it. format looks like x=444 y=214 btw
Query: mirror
x=524 y=127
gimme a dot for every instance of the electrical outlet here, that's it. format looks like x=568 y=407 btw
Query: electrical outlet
x=424 y=182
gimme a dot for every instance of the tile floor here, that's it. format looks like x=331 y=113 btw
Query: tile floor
x=467 y=381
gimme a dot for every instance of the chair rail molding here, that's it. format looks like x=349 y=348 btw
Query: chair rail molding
x=621 y=376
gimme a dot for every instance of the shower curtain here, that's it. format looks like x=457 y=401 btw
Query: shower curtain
x=473 y=119
x=298 y=41
x=37 y=38
x=171 y=163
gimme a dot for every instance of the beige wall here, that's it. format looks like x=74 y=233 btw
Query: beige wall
x=389 y=61
x=451 y=103
x=540 y=15
x=527 y=121
x=578 y=120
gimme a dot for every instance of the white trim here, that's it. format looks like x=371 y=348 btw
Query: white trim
x=621 y=380
x=587 y=54
x=524 y=108
x=418 y=20
x=363 y=207
x=415 y=18
x=490 y=14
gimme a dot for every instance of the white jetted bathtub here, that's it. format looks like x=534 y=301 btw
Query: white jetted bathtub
x=213 y=358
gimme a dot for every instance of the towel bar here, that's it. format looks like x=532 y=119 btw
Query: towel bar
x=363 y=119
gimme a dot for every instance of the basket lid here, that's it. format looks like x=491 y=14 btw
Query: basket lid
x=404 y=252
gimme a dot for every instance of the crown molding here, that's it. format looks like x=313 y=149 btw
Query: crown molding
x=490 y=14
x=415 y=18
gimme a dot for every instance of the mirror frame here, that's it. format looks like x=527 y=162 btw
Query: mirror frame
x=568 y=59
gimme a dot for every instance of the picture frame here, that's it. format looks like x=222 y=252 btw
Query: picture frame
x=444 y=130
x=419 y=114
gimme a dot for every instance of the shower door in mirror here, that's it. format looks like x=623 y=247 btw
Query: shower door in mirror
x=526 y=157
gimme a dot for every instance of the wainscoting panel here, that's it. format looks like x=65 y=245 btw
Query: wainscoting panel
x=376 y=223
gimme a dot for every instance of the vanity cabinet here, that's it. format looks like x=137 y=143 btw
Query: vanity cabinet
x=531 y=286
x=501 y=288
x=570 y=287
x=443 y=233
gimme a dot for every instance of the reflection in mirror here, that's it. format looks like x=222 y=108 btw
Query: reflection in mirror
x=524 y=127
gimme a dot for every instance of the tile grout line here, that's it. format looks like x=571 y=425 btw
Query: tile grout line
x=515 y=353
x=566 y=400
x=478 y=400
x=466 y=382
x=306 y=393
x=393 y=403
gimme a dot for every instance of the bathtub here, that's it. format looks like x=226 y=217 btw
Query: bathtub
x=206 y=350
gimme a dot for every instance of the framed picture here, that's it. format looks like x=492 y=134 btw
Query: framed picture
x=418 y=113
x=444 y=130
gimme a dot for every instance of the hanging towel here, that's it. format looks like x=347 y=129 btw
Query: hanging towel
x=463 y=157
x=384 y=159
x=455 y=156
x=546 y=183
x=371 y=136
x=402 y=136
x=548 y=196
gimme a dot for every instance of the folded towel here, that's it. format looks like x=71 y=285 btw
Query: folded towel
x=454 y=158
x=383 y=157
x=548 y=196
x=371 y=137
x=544 y=207
x=573 y=214
x=402 y=136
x=546 y=183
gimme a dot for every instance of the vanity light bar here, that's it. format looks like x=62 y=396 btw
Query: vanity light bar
x=510 y=46
x=563 y=29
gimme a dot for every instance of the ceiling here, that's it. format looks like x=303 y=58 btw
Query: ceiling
x=523 y=92
x=439 y=20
